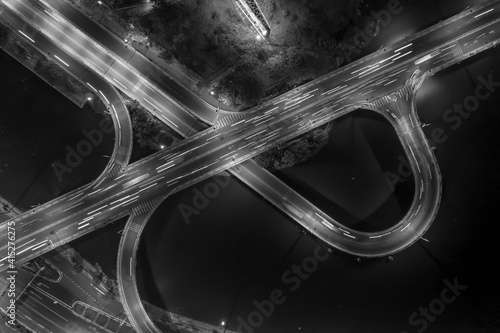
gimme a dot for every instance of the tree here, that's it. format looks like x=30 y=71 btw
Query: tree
x=167 y=56
x=241 y=88
x=149 y=131
x=166 y=19
x=299 y=151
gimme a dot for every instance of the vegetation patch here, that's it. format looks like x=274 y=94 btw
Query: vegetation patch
x=296 y=151
x=211 y=38
x=148 y=130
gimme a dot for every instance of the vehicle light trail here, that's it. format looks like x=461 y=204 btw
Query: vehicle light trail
x=22 y=33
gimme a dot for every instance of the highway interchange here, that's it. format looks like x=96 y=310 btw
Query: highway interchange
x=213 y=150
x=384 y=81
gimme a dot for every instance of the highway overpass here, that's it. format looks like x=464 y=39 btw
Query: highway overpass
x=278 y=120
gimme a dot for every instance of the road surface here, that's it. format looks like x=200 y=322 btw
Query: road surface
x=278 y=120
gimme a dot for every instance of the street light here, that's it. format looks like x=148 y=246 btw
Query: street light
x=103 y=4
x=160 y=146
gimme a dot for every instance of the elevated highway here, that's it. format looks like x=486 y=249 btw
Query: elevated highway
x=273 y=124
x=285 y=117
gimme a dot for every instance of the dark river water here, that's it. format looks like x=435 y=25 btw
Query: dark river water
x=38 y=128
x=227 y=262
